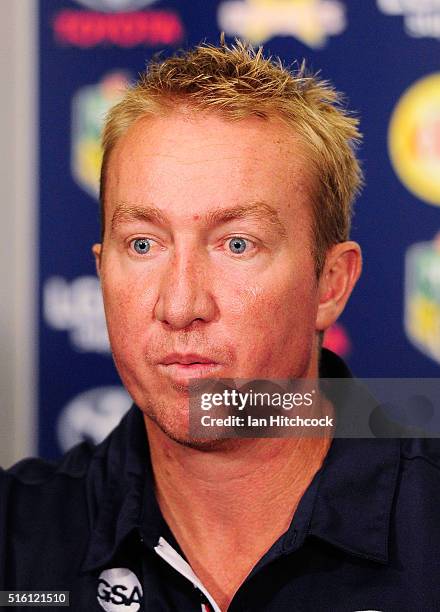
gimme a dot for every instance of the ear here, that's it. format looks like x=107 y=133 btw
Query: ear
x=343 y=265
x=96 y=250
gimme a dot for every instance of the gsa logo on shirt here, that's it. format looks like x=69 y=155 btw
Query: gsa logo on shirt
x=119 y=589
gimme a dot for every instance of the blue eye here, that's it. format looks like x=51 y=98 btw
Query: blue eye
x=141 y=245
x=237 y=245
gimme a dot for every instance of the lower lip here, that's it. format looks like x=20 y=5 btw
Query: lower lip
x=180 y=372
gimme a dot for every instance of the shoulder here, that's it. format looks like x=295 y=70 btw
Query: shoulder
x=422 y=452
x=64 y=483
x=418 y=485
x=74 y=465
x=36 y=472
x=35 y=490
x=420 y=467
x=43 y=504
x=415 y=525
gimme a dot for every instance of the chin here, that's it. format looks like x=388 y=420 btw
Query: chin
x=175 y=426
x=201 y=444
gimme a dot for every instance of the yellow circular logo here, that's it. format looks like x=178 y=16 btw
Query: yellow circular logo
x=414 y=139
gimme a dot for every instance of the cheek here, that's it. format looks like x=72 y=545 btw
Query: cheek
x=126 y=305
x=271 y=321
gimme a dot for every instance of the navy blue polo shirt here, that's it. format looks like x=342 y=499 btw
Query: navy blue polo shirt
x=365 y=536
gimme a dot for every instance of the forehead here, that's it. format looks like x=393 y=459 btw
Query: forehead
x=188 y=162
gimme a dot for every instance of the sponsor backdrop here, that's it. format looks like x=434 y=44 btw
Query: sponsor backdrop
x=384 y=54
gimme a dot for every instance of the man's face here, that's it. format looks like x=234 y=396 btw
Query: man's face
x=207 y=267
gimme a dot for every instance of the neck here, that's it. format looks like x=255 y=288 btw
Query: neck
x=227 y=506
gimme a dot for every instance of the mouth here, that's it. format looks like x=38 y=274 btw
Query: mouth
x=182 y=368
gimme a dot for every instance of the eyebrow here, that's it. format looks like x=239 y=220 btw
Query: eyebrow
x=125 y=213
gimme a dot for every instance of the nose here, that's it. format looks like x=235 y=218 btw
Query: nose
x=185 y=294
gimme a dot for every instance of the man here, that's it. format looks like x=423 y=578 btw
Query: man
x=227 y=187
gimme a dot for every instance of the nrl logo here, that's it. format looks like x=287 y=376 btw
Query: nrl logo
x=309 y=21
x=89 y=107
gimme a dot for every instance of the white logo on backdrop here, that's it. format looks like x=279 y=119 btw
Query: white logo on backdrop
x=115 y=6
x=77 y=307
x=310 y=21
x=421 y=17
x=91 y=416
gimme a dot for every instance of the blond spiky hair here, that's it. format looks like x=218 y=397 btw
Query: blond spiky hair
x=237 y=81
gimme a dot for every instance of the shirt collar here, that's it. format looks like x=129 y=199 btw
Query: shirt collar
x=355 y=495
x=120 y=492
x=357 y=484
